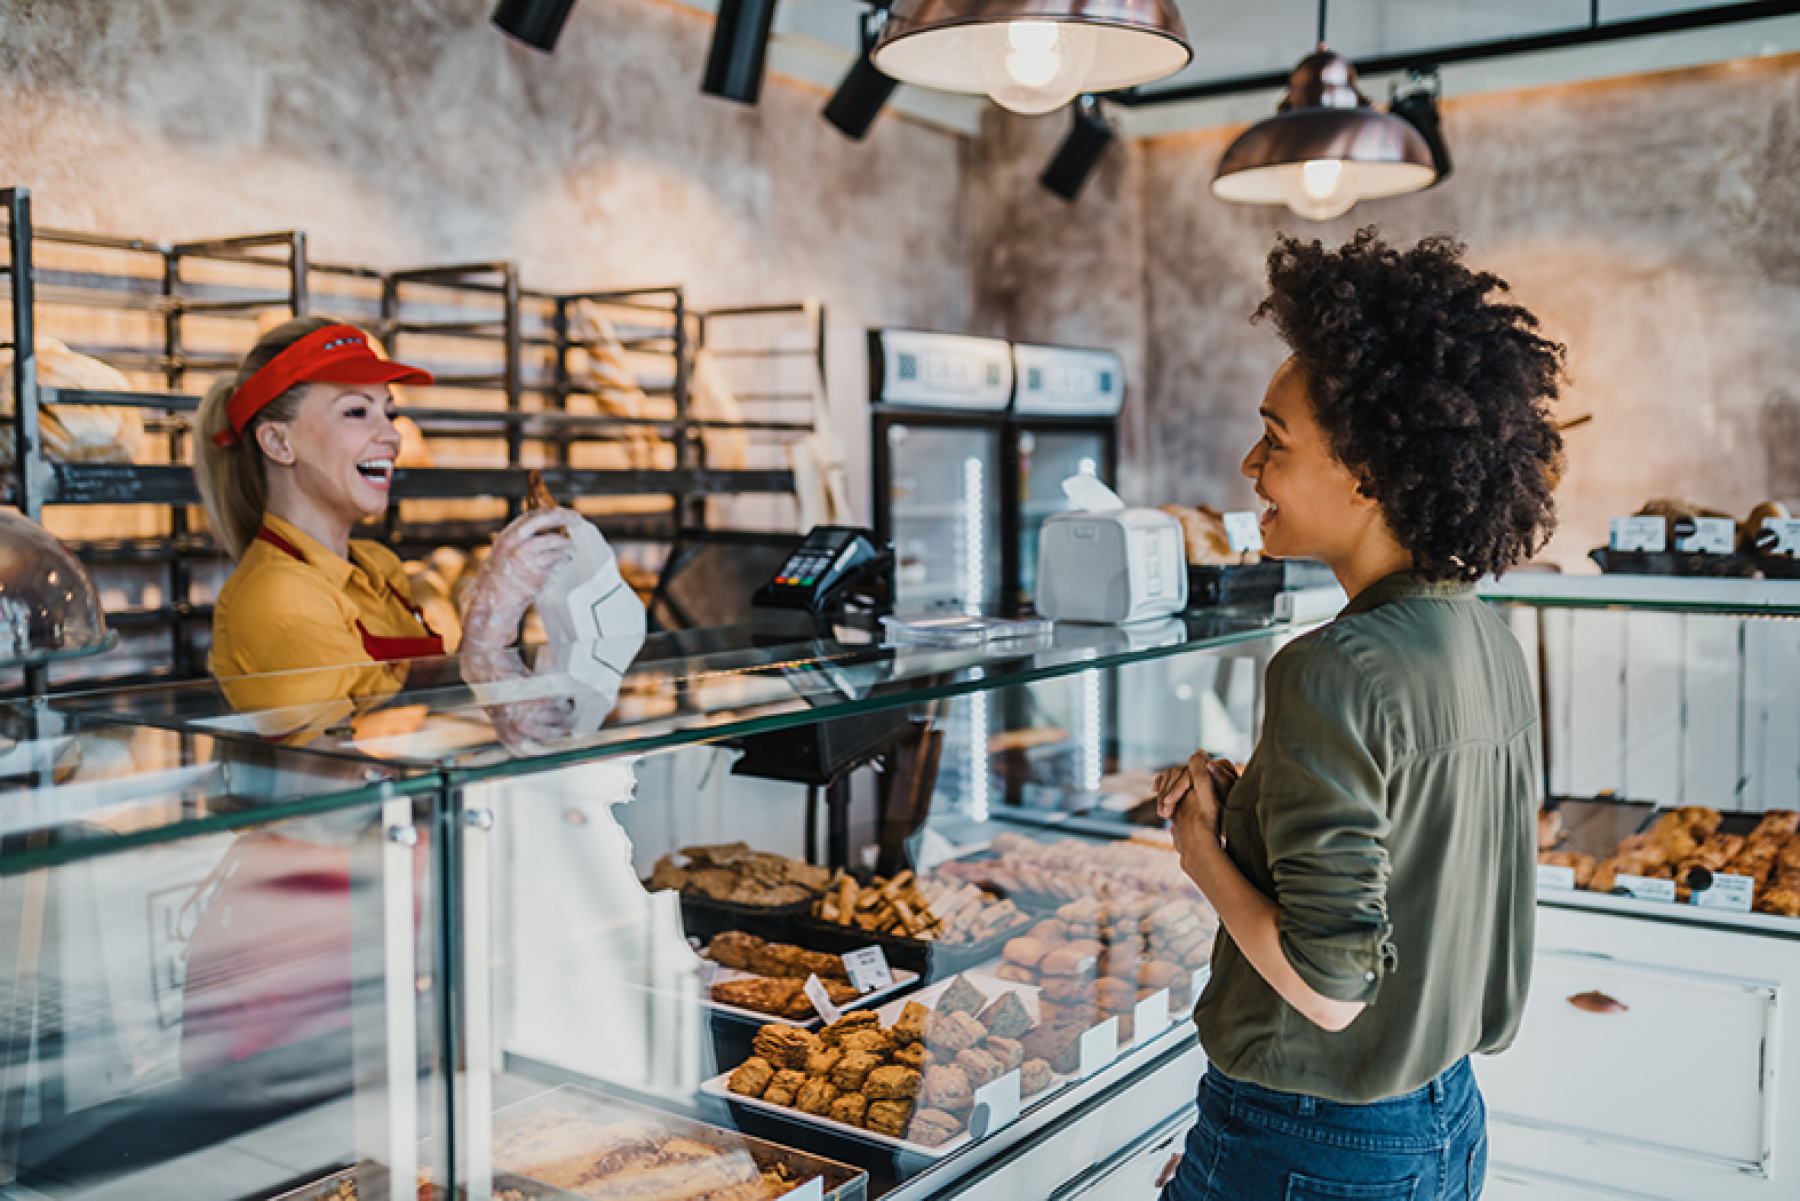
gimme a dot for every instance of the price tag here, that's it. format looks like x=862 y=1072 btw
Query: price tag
x=1646 y=889
x=996 y=1106
x=709 y=974
x=868 y=969
x=1640 y=533
x=1244 y=531
x=1551 y=875
x=1711 y=536
x=1151 y=1017
x=812 y=1190
x=821 y=1000
x=1099 y=1046
x=1727 y=892
x=1787 y=535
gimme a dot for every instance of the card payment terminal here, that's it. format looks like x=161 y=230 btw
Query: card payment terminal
x=821 y=571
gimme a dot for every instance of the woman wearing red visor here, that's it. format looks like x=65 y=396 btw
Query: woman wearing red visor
x=293 y=453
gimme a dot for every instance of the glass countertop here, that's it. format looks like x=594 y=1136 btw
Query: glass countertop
x=77 y=785
x=551 y=705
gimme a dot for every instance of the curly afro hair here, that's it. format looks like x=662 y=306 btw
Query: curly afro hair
x=1431 y=389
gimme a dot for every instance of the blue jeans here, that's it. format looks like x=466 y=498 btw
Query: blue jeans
x=1256 y=1144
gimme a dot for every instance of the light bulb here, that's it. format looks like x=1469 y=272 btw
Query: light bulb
x=1032 y=66
x=1320 y=189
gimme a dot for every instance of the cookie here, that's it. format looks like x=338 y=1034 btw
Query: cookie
x=1006 y=1016
x=889 y=1117
x=946 y=1088
x=961 y=997
x=892 y=1083
x=751 y=1077
x=784 y=1046
x=870 y=1038
x=912 y=1055
x=785 y=1088
x=815 y=1097
x=978 y=1067
x=953 y=1032
x=1034 y=1077
x=1009 y=1052
x=933 y=1127
x=1115 y=995
x=853 y=1069
x=910 y=1026
x=850 y=1109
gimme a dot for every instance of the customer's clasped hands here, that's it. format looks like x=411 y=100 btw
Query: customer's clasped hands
x=1192 y=797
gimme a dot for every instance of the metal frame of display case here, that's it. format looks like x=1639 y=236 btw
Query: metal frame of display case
x=35 y=481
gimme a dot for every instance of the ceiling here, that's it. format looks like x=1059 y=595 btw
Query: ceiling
x=815 y=41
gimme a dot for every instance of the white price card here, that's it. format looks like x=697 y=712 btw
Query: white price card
x=821 y=1000
x=1244 y=531
x=1727 y=892
x=1644 y=888
x=1551 y=875
x=709 y=974
x=1711 y=536
x=1151 y=1017
x=812 y=1190
x=1787 y=535
x=996 y=1105
x=868 y=969
x=1640 y=533
x=1099 y=1046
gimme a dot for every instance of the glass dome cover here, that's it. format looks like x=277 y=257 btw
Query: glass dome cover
x=48 y=607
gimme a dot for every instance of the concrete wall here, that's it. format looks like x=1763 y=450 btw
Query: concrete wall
x=1653 y=224
x=408 y=134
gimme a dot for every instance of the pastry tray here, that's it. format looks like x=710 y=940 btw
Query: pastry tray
x=934 y=960
x=991 y=986
x=1668 y=562
x=842 y=1182
x=903 y=980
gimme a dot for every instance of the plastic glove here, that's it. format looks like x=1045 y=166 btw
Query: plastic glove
x=522 y=726
x=525 y=555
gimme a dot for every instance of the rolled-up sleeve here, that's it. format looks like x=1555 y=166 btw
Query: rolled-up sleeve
x=1324 y=820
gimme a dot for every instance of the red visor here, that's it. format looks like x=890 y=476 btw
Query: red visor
x=337 y=354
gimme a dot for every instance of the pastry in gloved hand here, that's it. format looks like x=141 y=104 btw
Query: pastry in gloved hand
x=524 y=556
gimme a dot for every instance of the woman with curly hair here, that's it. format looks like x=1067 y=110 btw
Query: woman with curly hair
x=1374 y=868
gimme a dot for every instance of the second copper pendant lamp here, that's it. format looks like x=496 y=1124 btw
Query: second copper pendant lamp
x=1327 y=147
x=1032 y=56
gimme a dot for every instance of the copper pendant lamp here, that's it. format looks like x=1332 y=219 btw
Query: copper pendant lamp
x=1032 y=56
x=1325 y=149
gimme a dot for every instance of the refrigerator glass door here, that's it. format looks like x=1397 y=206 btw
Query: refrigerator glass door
x=1046 y=459
x=944 y=502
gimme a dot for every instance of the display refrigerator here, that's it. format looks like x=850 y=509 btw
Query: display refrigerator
x=972 y=439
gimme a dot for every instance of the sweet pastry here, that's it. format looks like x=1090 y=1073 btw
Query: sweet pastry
x=751 y=1077
x=1015 y=973
x=1072 y=959
x=733 y=949
x=823 y=1060
x=933 y=1127
x=953 y=1032
x=1057 y=1045
x=1066 y=990
x=890 y=1117
x=861 y=1019
x=946 y=1088
x=785 y=1088
x=892 y=1083
x=1121 y=959
x=1050 y=930
x=1115 y=995
x=1777 y=823
x=1160 y=973
x=849 y=1108
x=815 y=1096
x=1006 y=1016
x=910 y=1026
x=853 y=1069
x=537 y=495
x=1034 y=1077
x=1009 y=1052
x=784 y=1046
x=1025 y=951
x=912 y=1055
x=872 y=1039
x=979 y=1067
x=961 y=997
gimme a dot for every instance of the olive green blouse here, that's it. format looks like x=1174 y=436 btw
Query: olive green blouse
x=1390 y=811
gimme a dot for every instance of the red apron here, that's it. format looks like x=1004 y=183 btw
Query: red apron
x=269 y=962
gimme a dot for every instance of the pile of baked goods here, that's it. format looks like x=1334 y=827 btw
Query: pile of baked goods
x=1688 y=838
x=913 y=1080
x=779 y=985
x=734 y=873
x=635 y=1158
x=932 y=910
x=1098 y=958
x=1069 y=869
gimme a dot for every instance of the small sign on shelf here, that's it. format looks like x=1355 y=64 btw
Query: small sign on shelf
x=1099 y=1046
x=1733 y=893
x=1551 y=875
x=996 y=1105
x=1243 y=531
x=1646 y=888
x=1640 y=533
x=868 y=969
x=821 y=1000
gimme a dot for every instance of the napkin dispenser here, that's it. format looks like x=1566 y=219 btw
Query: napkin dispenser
x=1106 y=563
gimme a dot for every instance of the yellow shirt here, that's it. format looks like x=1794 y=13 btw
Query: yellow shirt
x=297 y=616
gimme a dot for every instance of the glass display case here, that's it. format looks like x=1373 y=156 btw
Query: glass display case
x=650 y=940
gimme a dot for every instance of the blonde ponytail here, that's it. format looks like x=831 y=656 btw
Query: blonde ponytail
x=231 y=479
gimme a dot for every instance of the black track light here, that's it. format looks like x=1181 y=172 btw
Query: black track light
x=859 y=98
x=1417 y=105
x=537 y=23
x=734 y=65
x=1076 y=158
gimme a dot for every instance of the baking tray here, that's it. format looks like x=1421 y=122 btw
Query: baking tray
x=702 y=917
x=932 y=960
x=990 y=986
x=1675 y=563
x=1597 y=825
x=842 y=1182
x=903 y=980
x=327 y=1189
